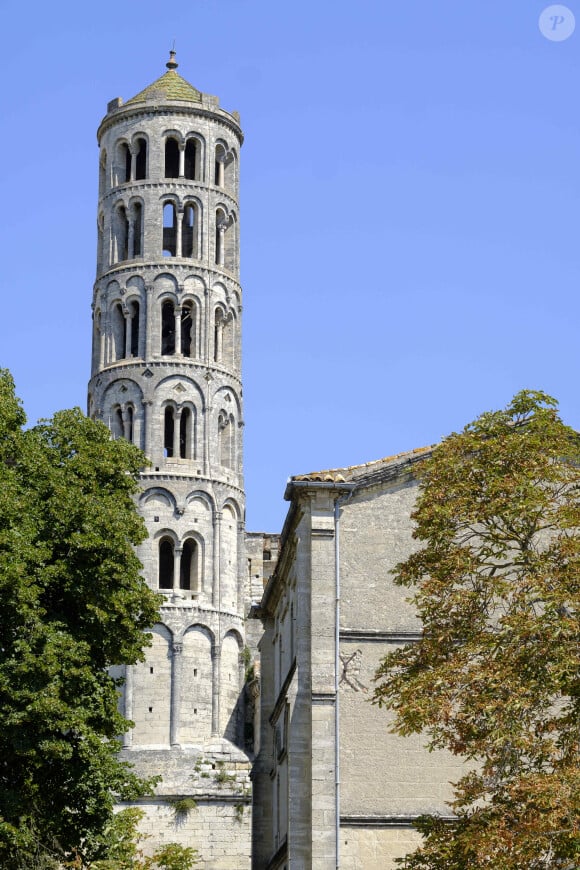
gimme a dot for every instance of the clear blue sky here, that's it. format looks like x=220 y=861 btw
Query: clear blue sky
x=410 y=220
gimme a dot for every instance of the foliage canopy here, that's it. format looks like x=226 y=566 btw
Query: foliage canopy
x=72 y=604
x=496 y=676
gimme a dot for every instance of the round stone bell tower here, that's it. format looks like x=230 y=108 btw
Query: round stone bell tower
x=166 y=376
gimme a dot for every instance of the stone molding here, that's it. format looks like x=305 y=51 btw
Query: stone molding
x=385 y=821
x=355 y=635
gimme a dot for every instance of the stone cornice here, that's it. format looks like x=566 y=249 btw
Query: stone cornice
x=156 y=476
x=356 y=635
x=403 y=821
x=181 y=365
x=172 y=185
x=210 y=113
x=170 y=265
x=182 y=608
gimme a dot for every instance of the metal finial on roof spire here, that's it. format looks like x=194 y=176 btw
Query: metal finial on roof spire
x=172 y=63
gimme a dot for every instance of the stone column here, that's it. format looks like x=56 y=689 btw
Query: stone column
x=219 y=254
x=102 y=344
x=178 y=311
x=147 y=423
x=176 y=569
x=215 y=691
x=131 y=238
x=176 y=674
x=106 y=326
x=149 y=319
x=178 y=227
x=128 y=331
x=217 y=527
x=241 y=568
x=220 y=160
x=181 y=159
x=176 y=432
x=126 y=423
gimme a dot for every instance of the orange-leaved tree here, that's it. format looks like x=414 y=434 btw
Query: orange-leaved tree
x=495 y=678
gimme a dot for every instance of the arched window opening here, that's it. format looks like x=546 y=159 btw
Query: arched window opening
x=229 y=249
x=188 y=330
x=137 y=229
x=101 y=253
x=221 y=227
x=219 y=164
x=128 y=157
x=97 y=338
x=185 y=434
x=171 y=158
x=121 y=235
x=134 y=328
x=225 y=439
x=228 y=344
x=117 y=430
x=169 y=430
x=141 y=160
x=190 y=165
x=103 y=174
x=166 y=566
x=189 y=232
x=118 y=324
x=169 y=230
x=167 y=328
x=123 y=161
x=128 y=423
x=218 y=329
x=189 y=566
x=229 y=170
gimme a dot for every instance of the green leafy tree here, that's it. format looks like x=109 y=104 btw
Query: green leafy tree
x=496 y=676
x=72 y=605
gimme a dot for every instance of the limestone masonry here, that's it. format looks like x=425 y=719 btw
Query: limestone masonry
x=331 y=788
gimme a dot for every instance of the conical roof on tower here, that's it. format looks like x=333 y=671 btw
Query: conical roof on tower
x=169 y=86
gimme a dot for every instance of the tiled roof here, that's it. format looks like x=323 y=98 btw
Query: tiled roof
x=352 y=472
x=169 y=86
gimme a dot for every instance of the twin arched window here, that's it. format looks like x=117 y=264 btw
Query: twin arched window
x=131 y=163
x=122 y=422
x=226 y=439
x=182 y=160
x=181 y=231
x=127 y=232
x=225 y=240
x=178 y=329
x=178 y=432
x=180 y=565
x=125 y=330
x=223 y=337
x=224 y=163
